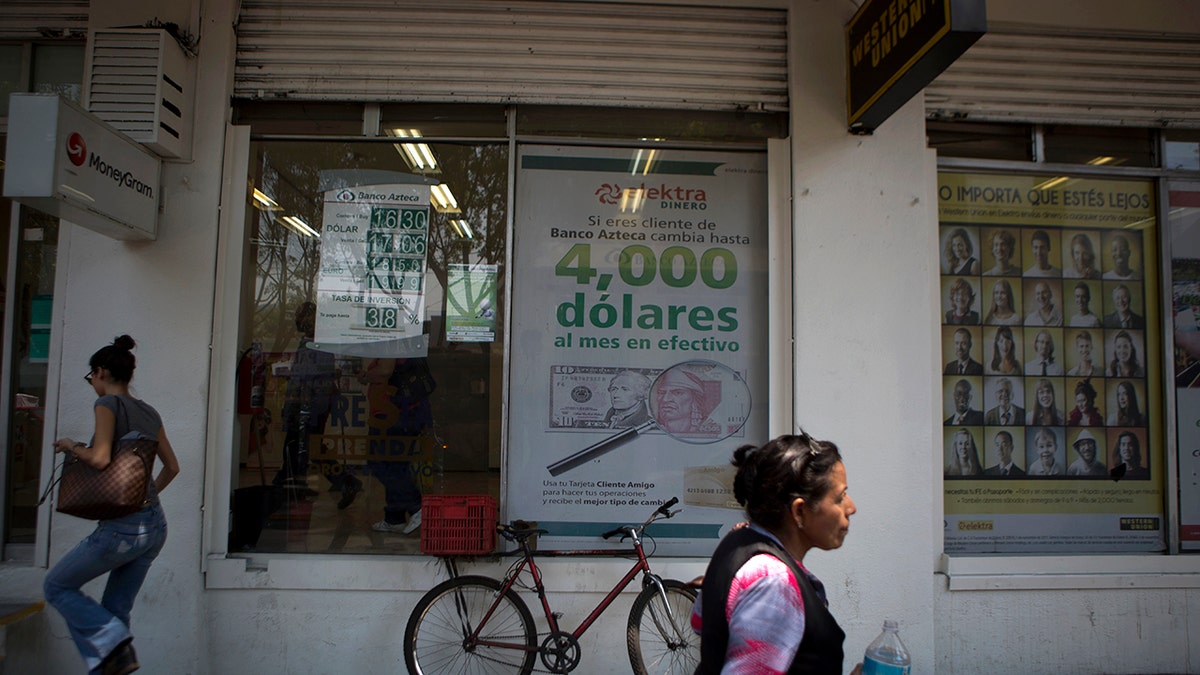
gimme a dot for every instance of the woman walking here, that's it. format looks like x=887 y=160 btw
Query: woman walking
x=760 y=609
x=123 y=547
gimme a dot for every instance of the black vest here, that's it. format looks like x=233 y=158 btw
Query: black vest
x=820 y=649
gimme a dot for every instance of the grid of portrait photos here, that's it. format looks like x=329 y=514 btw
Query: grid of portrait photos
x=1044 y=344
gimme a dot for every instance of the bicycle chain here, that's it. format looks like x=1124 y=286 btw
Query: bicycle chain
x=537 y=654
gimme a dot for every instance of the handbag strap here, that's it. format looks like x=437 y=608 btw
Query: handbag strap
x=53 y=481
x=124 y=413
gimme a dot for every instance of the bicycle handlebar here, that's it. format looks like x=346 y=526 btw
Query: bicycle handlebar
x=514 y=532
x=615 y=531
x=663 y=511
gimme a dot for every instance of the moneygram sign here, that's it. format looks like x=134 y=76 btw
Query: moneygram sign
x=66 y=162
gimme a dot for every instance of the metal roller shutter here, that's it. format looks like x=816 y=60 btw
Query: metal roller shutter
x=24 y=20
x=486 y=51
x=1015 y=75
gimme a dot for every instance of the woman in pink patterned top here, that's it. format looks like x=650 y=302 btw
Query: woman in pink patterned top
x=762 y=610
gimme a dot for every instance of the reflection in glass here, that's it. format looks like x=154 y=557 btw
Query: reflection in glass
x=340 y=473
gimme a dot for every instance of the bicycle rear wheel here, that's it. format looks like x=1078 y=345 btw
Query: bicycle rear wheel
x=659 y=634
x=436 y=637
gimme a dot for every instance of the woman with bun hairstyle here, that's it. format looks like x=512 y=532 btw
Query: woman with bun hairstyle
x=122 y=547
x=760 y=610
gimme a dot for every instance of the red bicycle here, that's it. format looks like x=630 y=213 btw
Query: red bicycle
x=477 y=624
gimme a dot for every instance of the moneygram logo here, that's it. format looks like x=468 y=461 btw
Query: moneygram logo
x=634 y=198
x=76 y=149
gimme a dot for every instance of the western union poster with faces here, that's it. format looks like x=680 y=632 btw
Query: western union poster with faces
x=1051 y=366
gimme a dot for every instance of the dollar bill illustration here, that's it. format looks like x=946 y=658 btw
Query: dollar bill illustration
x=695 y=401
x=599 y=397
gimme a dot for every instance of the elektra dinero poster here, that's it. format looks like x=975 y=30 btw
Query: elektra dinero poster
x=638 y=338
x=1051 y=364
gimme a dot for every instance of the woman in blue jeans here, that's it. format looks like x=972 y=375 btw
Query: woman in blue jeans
x=123 y=547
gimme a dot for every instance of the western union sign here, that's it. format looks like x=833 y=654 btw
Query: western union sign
x=896 y=47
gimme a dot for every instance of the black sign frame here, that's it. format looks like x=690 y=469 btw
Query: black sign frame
x=894 y=48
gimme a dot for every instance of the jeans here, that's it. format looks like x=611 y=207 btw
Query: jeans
x=402 y=496
x=123 y=547
x=401 y=493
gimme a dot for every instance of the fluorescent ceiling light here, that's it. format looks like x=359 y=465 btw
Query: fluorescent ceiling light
x=418 y=156
x=1051 y=182
x=632 y=200
x=299 y=226
x=264 y=203
x=462 y=228
x=443 y=200
x=649 y=160
x=1099 y=161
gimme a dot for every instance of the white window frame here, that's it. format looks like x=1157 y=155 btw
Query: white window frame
x=317 y=571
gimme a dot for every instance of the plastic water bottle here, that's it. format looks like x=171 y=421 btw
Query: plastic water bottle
x=887 y=655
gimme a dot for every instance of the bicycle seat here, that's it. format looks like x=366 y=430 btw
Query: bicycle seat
x=518 y=533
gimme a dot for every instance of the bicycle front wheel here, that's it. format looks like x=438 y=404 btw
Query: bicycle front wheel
x=659 y=634
x=438 y=636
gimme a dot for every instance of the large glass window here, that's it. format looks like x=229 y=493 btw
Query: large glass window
x=29 y=252
x=58 y=69
x=1052 y=385
x=10 y=74
x=1051 y=296
x=345 y=424
x=375 y=288
x=1100 y=146
x=31 y=297
x=1182 y=150
x=978 y=140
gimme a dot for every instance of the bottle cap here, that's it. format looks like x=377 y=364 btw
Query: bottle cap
x=891 y=625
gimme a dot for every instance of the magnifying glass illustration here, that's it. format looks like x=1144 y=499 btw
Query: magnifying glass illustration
x=697 y=402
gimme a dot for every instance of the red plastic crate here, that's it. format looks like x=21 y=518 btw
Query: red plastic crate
x=458 y=524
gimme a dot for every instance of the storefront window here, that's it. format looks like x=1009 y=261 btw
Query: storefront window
x=58 y=69
x=10 y=74
x=1052 y=385
x=1183 y=228
x=29 y=252
x=373 y=302
x=1099 y=146
x=981 y=140
x=1182 y=150
x=688 y=125
x=375 y=291
x=31 y=298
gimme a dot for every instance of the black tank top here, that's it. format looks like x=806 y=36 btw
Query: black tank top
x=820 y=650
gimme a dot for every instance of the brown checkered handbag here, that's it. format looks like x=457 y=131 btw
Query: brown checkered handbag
x=117 y=490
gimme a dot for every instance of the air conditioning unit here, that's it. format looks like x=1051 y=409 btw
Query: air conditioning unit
x=142 y=83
